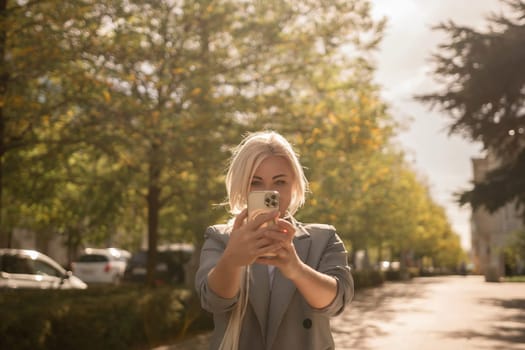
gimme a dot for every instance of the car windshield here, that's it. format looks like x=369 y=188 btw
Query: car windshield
x=92 y=258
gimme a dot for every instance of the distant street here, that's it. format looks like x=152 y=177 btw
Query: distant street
x=445 y=313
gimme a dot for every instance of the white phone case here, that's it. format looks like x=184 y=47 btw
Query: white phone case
x=260 y=202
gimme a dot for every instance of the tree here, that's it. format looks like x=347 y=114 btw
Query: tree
x=483 y=93
x=37 y=65
x=208 y=71
x=514 y=252
x=129 y=119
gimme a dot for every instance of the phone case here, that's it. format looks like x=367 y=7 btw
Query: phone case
x=260 y=202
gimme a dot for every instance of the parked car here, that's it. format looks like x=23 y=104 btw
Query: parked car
x=102 y=266
x=30 y=269
x=170 y=267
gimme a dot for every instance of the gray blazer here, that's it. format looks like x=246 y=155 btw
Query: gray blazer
x=279 y=318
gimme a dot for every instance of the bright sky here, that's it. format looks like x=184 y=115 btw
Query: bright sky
x=404 y=70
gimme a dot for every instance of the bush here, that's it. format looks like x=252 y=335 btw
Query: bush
x=393 y=275
x=99 y=318
x=367 y=278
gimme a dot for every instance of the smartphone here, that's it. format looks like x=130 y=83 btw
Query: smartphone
x=260 y=202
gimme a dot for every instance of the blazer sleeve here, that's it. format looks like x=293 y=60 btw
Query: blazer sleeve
x=333 y=261
x=212 y=249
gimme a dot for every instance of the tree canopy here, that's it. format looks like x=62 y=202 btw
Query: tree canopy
x=482 y=79
x=118 y=119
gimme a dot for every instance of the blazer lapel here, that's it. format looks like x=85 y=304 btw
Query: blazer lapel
x=259 y=294
x=283 y=289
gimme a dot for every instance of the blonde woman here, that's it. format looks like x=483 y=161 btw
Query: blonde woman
x=271 y=287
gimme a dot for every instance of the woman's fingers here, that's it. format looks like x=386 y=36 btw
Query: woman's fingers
x=278 y=234
x=284 y=224
x=270 y=249
x=257 y=223
x=262 y=219
x=239 y=219
x=251 y=240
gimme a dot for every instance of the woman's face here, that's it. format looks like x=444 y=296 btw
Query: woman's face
x=274 y=174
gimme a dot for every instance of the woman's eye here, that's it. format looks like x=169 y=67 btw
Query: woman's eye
x=280 y=182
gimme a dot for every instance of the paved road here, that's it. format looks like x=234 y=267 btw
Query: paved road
x=445 y=313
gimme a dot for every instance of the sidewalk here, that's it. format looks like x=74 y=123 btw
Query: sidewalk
x=435 y=313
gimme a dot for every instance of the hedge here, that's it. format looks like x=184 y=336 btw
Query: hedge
x=98 y=318
x=367 y=278
x=125 y=317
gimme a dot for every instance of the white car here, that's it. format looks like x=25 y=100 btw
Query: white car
x=24 y=268
x=103 y=266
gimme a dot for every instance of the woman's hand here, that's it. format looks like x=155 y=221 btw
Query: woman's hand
x=318 y=289
x=248 y=240
x=286 y=258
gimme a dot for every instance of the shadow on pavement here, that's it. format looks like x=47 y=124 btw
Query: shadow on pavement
x=371 y=309
x=426 y=313
x=508 y=327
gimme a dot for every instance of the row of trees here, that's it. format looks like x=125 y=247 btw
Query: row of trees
x=119 y=117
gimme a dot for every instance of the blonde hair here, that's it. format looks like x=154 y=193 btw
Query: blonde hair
x=230 y=340
x=248 y=155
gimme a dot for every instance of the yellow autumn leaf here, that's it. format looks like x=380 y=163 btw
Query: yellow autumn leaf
x=383 y=171
x=155 y=116
x=107 y=96
x=354 y=129
x=316 y=132
x=196 y=91
x=314 y=186
x=18 y=101
x=319 y=107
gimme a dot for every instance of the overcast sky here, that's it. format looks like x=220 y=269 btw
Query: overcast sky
x=404 y=69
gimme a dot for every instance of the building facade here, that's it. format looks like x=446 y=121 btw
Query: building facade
x=491 y=231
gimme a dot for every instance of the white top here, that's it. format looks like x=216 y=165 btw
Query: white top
x=271 y=272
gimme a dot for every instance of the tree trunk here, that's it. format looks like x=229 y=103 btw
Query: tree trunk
x=5 y=238
x=153 y=200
